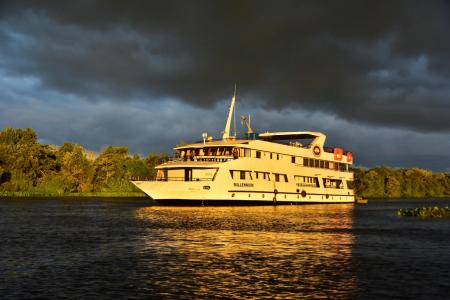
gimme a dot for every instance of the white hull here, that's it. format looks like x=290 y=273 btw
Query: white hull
x=222 y=187
x=166 y=192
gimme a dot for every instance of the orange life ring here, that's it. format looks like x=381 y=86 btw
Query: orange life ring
x=349 y=157
x=338 y=153
x=316 y=151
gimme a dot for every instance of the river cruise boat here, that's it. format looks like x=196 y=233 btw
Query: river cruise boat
x=265 y=168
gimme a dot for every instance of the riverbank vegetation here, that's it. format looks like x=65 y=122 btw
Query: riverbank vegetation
x=384 y=182
x=28 y=168
x=425 y=212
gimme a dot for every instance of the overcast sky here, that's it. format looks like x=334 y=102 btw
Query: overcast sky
x=374 y=76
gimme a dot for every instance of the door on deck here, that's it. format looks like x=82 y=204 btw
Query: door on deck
x=187 y=174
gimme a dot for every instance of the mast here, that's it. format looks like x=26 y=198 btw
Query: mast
x=226 y=131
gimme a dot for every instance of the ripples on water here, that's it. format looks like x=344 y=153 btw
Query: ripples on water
x=122 y=248
x=252 y=251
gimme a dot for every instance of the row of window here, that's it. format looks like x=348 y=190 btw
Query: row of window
x=248 y=175
x=306 y=181
x=324 y=164
x=307 y=162
x=299 y=180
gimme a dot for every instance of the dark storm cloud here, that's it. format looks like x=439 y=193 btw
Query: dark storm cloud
x=379 y=62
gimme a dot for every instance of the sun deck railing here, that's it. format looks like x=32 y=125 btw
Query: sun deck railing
x=202 y=158
x=137 y=178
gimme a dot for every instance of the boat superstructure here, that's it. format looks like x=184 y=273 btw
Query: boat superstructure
x=264 y=168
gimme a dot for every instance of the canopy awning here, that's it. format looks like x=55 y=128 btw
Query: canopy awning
x=292 y=135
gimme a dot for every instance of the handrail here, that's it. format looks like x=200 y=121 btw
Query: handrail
x=137 y=178
x=216 y=158
x=182 y=179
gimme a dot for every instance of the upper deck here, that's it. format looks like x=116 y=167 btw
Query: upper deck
x=302 y=148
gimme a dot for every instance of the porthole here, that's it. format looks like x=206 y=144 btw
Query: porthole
x=232 y=195
x=284 y=196
x=304 y=194
x=249 y=195
x=263 y=195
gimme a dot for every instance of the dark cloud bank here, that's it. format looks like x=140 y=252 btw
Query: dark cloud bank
x=380 y=64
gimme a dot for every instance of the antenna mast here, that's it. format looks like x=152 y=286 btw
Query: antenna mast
x=226 y=131
x=234 y=112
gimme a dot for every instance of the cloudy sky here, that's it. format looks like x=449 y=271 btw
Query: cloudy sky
x=372 y=75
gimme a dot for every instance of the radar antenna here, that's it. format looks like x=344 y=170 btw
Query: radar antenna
x=246 y=121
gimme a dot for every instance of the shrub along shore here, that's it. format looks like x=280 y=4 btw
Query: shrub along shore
x=31 y=169
x=425 y=212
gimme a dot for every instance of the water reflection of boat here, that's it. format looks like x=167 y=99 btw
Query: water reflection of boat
x=265 y=168
x=361 y=200
x=251 y=252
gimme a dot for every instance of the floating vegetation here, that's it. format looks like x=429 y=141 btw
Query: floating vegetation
x=425 y=212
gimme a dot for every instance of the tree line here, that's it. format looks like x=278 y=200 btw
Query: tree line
x=27 y=166
x=384 y=182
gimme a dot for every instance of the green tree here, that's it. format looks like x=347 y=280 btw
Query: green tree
x=137 y=169
x=154 y=159
x=76 y=170
x=110 y=170
x=393 y=187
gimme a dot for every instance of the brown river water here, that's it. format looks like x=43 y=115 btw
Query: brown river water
x=132 y=248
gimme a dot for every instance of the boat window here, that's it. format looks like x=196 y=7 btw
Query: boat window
x=327 y=164
x=235 y=152
x=258 y=154
x=293 y=159
x=333 y=183
x=343 y=167
x=316 y=163
x=306 y=181
x=278 y=156
x=231 y=173
x=160 y=175
x=247 y=152
x=270 y=155
x=280 y=177
x=322 y=164
x=242 y=174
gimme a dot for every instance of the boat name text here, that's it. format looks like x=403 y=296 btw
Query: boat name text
x=243 y=184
